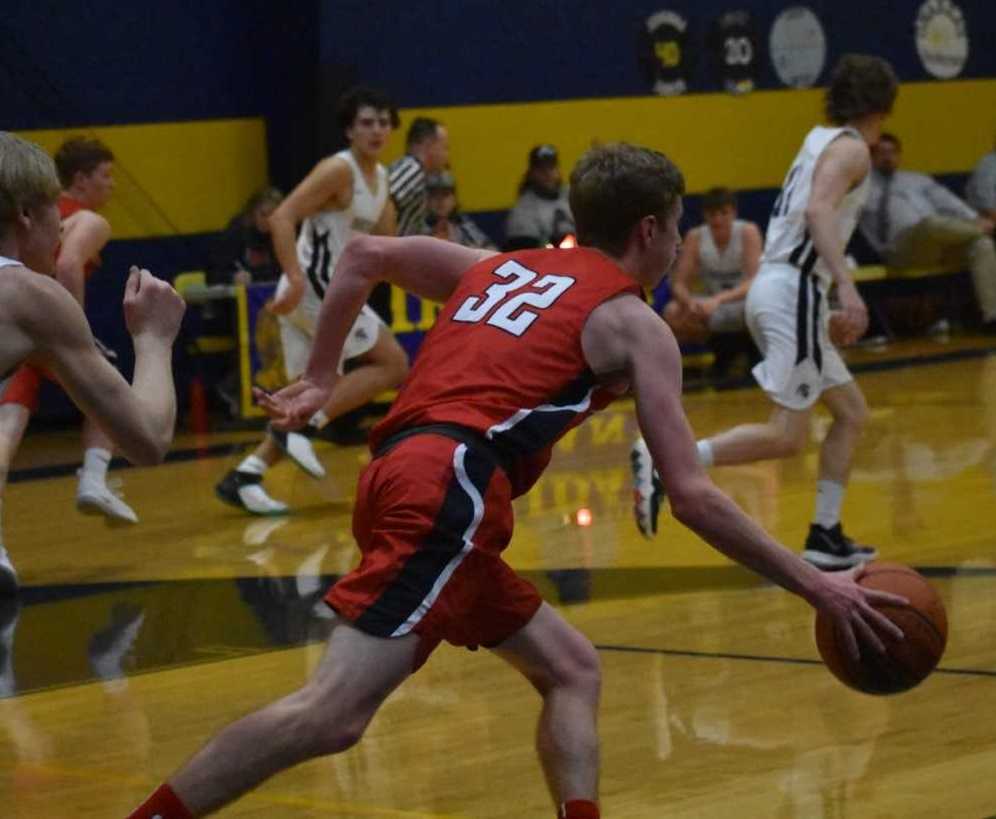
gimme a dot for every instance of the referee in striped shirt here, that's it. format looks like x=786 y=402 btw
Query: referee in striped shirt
x=427 y=151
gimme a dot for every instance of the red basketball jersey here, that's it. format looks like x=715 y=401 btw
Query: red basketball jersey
x=67 y=207
x=504 y=358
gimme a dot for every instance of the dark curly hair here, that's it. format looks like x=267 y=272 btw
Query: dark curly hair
x=860 y=85
x=421 y=130
x=614 y=186
x=717 y=199
x=80 y=155
x=362 y=96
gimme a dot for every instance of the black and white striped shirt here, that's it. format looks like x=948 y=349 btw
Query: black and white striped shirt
x=406 y=182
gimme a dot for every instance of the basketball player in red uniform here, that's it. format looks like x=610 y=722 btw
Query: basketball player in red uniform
x=527 y=346
x=41 y=324
x=86 y=170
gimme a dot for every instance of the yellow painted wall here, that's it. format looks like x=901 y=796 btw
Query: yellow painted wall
x=197 y=174
x=717 y=139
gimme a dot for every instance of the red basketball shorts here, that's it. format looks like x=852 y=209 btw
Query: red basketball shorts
x=22 y=387
x=432 y=517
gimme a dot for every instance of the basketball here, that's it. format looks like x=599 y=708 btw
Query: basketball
x=906 y=663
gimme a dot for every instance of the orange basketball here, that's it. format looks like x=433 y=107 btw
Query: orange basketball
x=907 y=662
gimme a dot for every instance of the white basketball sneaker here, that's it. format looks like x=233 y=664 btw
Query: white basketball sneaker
x=299 y=449
x=648 y=492
x=94 y=497
x=244 y=490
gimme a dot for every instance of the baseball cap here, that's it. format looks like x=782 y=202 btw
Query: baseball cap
x=543 y=155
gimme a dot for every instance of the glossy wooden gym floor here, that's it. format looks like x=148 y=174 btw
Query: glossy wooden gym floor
x=130 y=647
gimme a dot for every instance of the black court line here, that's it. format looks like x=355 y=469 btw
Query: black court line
x=762 y=658
x=265 y=613
x=38 y=473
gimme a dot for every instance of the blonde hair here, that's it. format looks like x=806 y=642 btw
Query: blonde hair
x=27 y=178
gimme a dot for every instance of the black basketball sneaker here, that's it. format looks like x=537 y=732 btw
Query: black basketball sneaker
x=832 y=550
x=244 y=490
x=298 y=448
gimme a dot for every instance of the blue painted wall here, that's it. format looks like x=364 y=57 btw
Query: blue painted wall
x=439 y=53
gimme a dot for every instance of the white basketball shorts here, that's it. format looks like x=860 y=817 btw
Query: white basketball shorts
x=297 y=333
x=791 y=329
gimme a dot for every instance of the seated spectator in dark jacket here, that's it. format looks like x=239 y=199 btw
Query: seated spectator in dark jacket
x=541 y=215
x=244 y=253
x=444 y=219
x=911 y=220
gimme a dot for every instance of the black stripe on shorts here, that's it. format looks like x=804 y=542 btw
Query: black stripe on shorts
x=418 y=575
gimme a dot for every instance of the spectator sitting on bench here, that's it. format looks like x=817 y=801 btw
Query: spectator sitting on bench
x=911 y=220
x=541 y=215
x=980 y=191
x=723 y=255
x=244 y=253
x=445 y=220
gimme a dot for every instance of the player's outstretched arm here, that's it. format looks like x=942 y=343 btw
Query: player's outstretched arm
x=624 y=336
x=139 y=417
x=427 y=267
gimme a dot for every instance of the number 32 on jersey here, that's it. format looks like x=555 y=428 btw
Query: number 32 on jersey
x=503 y=307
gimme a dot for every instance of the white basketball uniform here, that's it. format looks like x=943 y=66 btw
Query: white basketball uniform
x=320 y=243
x=787 y=310
x=721 y=270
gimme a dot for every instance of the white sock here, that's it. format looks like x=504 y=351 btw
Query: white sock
x=829 y=499
x=95 y=463
x=253 y=464
x=319 y=420
x=705 y=452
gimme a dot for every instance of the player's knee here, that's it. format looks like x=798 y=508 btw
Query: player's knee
x=338 y=736
x=578 y=668
x=330 y=731
x=588 y=673
x=320 y=723
x=854 y=414
x=787 y=442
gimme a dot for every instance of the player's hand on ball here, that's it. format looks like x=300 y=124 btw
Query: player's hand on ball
x=152 y=307
x=850 y=606
x=292 y=407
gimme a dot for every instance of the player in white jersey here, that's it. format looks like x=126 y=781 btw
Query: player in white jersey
x=789 y=317
x=723 y=256
x=343 y=195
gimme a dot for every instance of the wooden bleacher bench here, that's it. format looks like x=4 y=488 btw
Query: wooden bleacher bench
x=880 y=272
x=884 y=279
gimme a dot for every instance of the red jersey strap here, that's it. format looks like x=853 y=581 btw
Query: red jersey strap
x=67 y=207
